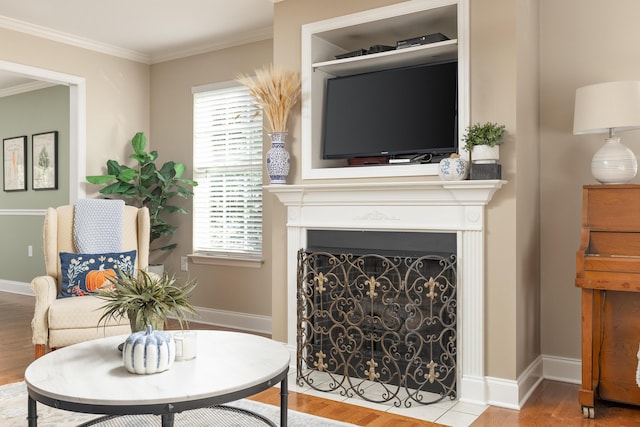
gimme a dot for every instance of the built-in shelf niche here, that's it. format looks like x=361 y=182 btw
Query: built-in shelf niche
x=439 y=51
x=322 y=41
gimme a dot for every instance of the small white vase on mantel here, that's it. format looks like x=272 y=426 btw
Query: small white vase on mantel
x=278 y=159
x=484 y=154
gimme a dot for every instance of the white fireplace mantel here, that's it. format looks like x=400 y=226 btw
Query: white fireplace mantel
x=424 y=206
x=467 y=192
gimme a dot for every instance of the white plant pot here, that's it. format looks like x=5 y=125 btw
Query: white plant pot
x=483 y=154
x=156 y=269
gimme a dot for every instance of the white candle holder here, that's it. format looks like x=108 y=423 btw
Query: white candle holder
x=186 y=345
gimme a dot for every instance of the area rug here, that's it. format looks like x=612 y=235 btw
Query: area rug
x=13 y=413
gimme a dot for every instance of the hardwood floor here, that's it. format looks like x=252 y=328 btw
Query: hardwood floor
x=552 y=403
x=16 y=351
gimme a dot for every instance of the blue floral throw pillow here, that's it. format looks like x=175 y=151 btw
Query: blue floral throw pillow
x=85 y=274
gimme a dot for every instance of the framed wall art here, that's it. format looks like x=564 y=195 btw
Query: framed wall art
x=14 y=152
x=45 y=160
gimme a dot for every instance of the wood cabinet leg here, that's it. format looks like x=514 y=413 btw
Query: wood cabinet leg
x=39 y=350
x=591 y=321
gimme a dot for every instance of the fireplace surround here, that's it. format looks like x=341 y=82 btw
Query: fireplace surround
x=422 y=206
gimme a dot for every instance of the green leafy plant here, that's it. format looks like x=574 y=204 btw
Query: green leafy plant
x=146 y=185
x=483 y=134
x=147 y=299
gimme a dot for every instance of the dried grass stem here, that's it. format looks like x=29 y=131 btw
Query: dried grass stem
x=277 y=91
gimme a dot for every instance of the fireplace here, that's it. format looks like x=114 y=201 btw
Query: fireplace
x=456 y=207
x=377 y=315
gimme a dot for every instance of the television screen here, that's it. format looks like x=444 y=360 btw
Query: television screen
x=398 y=112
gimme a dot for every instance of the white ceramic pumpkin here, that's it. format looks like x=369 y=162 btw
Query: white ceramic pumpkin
x=148 y=352
x=453 y=168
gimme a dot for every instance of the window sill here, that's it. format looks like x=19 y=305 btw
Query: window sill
x=226 y=260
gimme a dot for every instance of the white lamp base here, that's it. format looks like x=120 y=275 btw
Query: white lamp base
x=614 y=163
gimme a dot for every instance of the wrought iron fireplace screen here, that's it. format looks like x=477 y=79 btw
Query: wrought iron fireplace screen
x=382 y=328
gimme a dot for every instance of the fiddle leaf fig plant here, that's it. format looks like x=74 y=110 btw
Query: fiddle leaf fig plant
x=146 y=185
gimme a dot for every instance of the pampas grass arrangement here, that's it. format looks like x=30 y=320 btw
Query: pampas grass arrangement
x=276 y=91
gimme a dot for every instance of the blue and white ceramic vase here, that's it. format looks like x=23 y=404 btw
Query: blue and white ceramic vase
x=278 y=159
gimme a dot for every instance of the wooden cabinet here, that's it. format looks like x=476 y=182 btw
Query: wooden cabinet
x=608 y=272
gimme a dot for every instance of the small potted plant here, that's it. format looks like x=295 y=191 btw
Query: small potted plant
x=147 y=299
x=482 y=141
x=147 y=185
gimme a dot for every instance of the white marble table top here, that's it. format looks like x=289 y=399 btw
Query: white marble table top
x=93 y=373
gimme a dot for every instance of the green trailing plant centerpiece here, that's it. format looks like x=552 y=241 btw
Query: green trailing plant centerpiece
x=147 y=299
x=147 y=185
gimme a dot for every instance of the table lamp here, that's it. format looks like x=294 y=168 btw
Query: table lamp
x=608 y=108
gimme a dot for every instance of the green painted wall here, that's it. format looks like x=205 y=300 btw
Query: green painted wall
x=29 y=113
x=18 y=233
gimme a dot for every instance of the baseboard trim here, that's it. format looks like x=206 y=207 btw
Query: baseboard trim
x=221 y=318
x=235 y=320
x=562 y=369
x=16 y=287
x=514 y=394
x=502 y=393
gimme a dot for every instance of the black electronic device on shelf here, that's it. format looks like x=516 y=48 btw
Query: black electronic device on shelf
x=417 y=41
x=376 y=48
x=352 y=54
x=399 y=112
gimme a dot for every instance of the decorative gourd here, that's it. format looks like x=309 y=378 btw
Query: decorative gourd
x=453 y=168
x=148 y=352
x=96 y=278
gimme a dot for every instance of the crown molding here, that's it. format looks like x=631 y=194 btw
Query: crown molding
x=73 y=40
x=70 y=39
x=264 y=33
x=26 y=87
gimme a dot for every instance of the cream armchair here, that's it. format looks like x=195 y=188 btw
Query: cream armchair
x=59 y=322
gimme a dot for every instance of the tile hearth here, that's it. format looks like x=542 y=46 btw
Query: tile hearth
x=449 y=413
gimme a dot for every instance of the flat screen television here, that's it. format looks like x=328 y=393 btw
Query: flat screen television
x=410 y=111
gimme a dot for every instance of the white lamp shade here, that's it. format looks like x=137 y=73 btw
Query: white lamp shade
x=607 y=106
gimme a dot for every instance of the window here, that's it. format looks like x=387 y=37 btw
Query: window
x=227 y=208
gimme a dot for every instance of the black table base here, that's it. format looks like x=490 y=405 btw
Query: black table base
x=166 y=411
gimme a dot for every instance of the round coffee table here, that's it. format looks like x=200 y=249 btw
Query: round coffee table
x=90 y=377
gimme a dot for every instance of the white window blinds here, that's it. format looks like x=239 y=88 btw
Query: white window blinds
x=228 y=168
